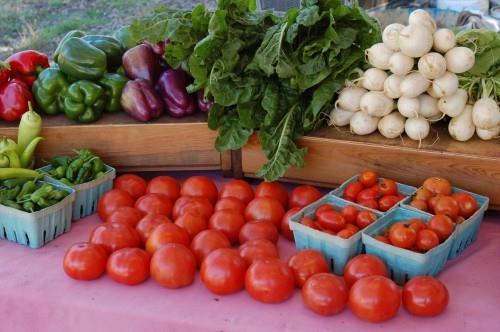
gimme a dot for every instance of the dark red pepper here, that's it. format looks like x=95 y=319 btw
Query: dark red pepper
x=204 y=105
x=14 y=98
x=26 y=65
x=158 y=48
x=172 y=89
x=141 y=101
x=141 y=62
x=4 y=72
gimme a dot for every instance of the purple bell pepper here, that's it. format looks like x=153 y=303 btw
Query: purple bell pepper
x=172 y=88
x=204 y=105
x=140 y=100
x=142 y=62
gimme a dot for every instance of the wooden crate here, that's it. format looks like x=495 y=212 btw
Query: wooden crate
x=335 y=155
x=129 y=145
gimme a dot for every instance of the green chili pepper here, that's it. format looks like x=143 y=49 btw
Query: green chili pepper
x=28 y=188
x=60 y=172
x=57 y=195
x=4 y=161
x=29 y=206
x=98 y=175
x=73 y=168
x=44 y=202
x=11 y=204
x=41 y=193
x=10 y=173
x=11 y=183
x=11 y=194
x=98 y=165
x=60 y=161
x=85 y=154
x=84 y=173
x=66 y=182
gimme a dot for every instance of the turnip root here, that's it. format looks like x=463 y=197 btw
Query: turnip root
x=461 y=127
x=444 y=86
x=444 y=40
x=401 y=64
x=487 y=134
x=486 y=113
x=431 y=93
x=417 y=128
x=432 y=65
x=392 y=85
x=390 y=35
x=349 y=98
x=340 y=117
x=421 y=17
x=391 y=125
x=413 y=85
x=363 y=123
x=376 y=103
x=378 y=56
x=415 y=40
x=453 y=105
x=428 y=106
x=459 y=59
x=409 y=107
x=436 y=118
x=373 y=79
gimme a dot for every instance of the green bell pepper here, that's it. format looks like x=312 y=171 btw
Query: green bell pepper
x=72 y=33
x=79 y=59
x=110 y=46
x=84 y=101
x=124 y=36
x=113 y=86
x=49 y=90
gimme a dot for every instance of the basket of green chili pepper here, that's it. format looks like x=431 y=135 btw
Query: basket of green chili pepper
x=86 y=173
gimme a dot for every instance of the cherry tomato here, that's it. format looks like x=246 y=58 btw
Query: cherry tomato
x=441 y=225
x=466 y=203
x=368 y=178
x=306 y=263
x=375 y=298
x=387 y=202
x=388 y=187
x=253 y=250
x=134 y=185
x=254 y=230
x=370 y=203
x=230 y=203
x=309 y=222
x=303 y=195
x=285 y=223
x=402 y=236
x=166 y=233
x=425 y=296
x=423 y=194
x=207 y=241
x=416 y=224
x=426 y=240
x=128 y=266
x=331 y=220
x=166 y=186
x=419 y=204
x=228 y=222
x=322 y=208
x=238 y=189
x=192 y=223
x=154 y=203
x=365 y=218
x=447 y=205
x=352 y=190
x=382 y=238
x=366 y=195
x=196 y=205
x=349 y=212
x=173 y=266
x=376 y=188
x=362 y=266
x=111 y=201
x=146 y=225
x=346 y=233
x=115 y=236
x=223 y=271
x=265 y=209
x=127 y=215
x=274 y=190
x=269 y=281
x=200 y=186
x=325 y=294
x=437 y=185
x=85 y=261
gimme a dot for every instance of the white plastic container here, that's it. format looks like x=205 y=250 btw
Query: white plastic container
x=459 y=5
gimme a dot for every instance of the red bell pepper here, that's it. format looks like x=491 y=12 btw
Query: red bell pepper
x=14 y=98
x=4 y=72
x=26 y=65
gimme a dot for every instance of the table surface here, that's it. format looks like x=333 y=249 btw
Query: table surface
x=36 y=295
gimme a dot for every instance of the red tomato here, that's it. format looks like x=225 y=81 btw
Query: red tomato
x=437 y=185
x=325 y=294
x=129 y=266
x=173 y=266
x=368 y=178
x=265 y=209
x=370 y=203
x=147 y=224
x=466 y=203
x=207 y=241
x=238 y=189
x=352 y=190
x=423 y=194
x=192 y=223
x=426 y=240
x=416 y=224
x=388 y=187
x=285 y=223
x=309 y=222
x=269 y=281
x=425 y=296
x=196 y=205
x=230 y=203
x=447 y=205
x=134 y=185
x=362 y=266
x=346 y=233
x=402 y=236
x=322 y=208
x=349 y=212
x=419 y=204
x=85 y=261
x=253 y=250
x=255 y=230
x=331 y=220
x=441 y=225
x=375 y=298
x=365 y=218
x=303 y=195
x=274 y=190
x=382 y=238
x=164 y=234
x=366 y=195
x=166 y=186
x=127 y=215
x=115 y=236
x=200 y=186
x=352 y=228
x=306 y=263
x=228 y=222
x=111 y=201
x=387 y=202
x=154 y=203
x=223 y=271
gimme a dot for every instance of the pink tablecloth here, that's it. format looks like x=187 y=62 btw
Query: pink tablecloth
x=36 y=295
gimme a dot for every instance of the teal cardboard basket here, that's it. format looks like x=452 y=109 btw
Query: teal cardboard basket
x=336 y=250
x=405 y=264
x=87 y=194
x=37 y=228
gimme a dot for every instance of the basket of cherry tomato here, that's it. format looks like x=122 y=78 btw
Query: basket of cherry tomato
x=374 y=192
x=465 y=209
x=411 y=243
x=332 y=226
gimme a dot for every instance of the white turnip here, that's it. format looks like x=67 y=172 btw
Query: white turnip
x=417 y=128
x=409 y=107
x=487 y=134
x=421 y=17
x=391 y=125
x=340 y=117
x=390 y=35
x=392 y=86
x=444 y=40
x=453 y=105
x=413 y=85
x=363 y=123
x=376 y=103
x=428 y=106
x=459 y=59
x=446 y=85
x=461 y=127
x=378 y=55
x=401 y=64
x=349 y=98
x=432 y=65
x=415 y=40
x=373 y=79
x=486 y=113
